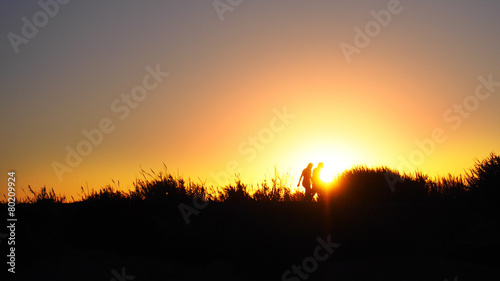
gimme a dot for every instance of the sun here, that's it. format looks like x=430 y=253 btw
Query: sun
x=327 y=175
x=334 y=162
x=332 y=168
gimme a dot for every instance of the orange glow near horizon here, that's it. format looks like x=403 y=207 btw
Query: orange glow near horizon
x=212 y=114
x=334 y=161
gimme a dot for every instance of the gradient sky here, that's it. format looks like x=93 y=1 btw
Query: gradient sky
x=228 y=78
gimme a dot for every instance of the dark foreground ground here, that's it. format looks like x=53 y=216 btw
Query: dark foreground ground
x=246 y=240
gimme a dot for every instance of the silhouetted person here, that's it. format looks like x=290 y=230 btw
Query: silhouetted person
x=306 y=183
x=317 y=183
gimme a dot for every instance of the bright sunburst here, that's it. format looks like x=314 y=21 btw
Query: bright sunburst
x=327 y=175
x=334 y=162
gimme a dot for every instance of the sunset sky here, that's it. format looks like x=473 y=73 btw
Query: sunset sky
x=251 y=85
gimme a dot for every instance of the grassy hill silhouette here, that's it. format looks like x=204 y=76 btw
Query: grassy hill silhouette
x=390 y=226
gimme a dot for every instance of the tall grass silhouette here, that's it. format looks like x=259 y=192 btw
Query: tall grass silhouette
x=265 y=228
x=358 y=184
